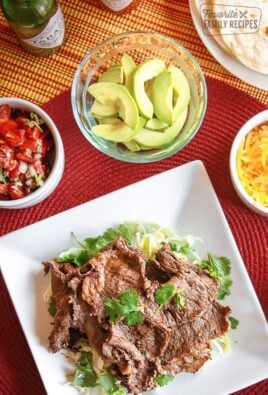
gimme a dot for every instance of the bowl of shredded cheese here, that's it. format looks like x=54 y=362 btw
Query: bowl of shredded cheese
x=249 y=163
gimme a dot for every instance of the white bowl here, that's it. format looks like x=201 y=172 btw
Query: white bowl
x=257 y=120
x=58 y=166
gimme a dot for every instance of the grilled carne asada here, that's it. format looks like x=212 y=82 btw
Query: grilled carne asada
x=171 y=338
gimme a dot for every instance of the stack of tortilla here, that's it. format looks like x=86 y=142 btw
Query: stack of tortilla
x=249 y=47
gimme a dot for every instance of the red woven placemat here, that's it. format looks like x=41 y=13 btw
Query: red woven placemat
x=89 y=173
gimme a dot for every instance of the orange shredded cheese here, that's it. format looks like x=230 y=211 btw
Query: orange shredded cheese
x=252 y=164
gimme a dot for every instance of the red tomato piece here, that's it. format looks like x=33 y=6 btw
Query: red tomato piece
x=8 y=125
x=33 y=133
x=30 y=144
x=3 y=189
x=11 y=165
x=15 y=191
x=21 y=134
x=15 y=172
x=5 y=113
x=12 y=138
x=24 y=157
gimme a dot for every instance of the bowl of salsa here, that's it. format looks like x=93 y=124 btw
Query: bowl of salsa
x=31 y=154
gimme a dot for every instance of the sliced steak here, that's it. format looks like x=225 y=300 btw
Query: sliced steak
x=70 y=312
x=212 y=324
x=189 y=361
x=118 y=268
x=172 y=339
x=168 y=261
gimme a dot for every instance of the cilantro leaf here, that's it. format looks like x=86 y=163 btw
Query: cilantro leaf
x=163 y=379
x=93 y=245
x=164 y=294
x=234 y=322
x=78 y=256
x=124 y=230
x=52 y=307
x=84 y=375
x=220 y=268
x=111 y=385
x=126 y=307
x=134 y=318
x=168 y=291
x=177 y=247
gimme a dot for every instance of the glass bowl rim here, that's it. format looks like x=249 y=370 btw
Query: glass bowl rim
x=139 y=158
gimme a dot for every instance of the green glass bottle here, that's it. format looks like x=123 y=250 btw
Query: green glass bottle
x=38 y=24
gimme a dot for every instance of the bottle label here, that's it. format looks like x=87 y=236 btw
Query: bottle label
x=116 y=5
x=53 y=34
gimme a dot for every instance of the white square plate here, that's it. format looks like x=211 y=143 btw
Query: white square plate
x=182 y=199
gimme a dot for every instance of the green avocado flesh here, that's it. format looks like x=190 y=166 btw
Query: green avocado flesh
x=181 y=89
x=107 y=120
x=162 y=96
x=114 y=74
x=143 y=106
x=154 y=139
x=109 y=93
x=99 y=110
x=129 y=66
x=144 y=72
x=117 y=132
x=155 y=124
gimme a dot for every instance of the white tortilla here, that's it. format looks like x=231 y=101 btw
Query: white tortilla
x=251 y=49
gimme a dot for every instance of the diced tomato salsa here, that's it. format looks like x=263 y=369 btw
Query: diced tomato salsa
x=26 y=152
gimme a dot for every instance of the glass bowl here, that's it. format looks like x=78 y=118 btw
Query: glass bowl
x=140 y=46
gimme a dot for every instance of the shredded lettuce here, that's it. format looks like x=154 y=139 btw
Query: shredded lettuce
x=221 y=345
x=146 y=236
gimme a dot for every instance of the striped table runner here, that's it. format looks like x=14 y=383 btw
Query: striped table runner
x=41 y=79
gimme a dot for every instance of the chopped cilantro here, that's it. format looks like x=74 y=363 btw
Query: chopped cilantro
x=111 y=385
x=84 y=375
x=126 y=306
x=166 y=292
x=177 y=247
x=234 y=322
x=163 y=379
x=220 y=268
x=93 y=245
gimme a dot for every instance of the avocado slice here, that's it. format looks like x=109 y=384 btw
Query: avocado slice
x=181 y=93
x=118 y=132
x=148 y=86
x=117 y=95
x=113 y=74
x=133 y=145
x=107 y=120
x=162 y=96
x=144 y=72
x=154 y=139
x=128 y=67
x=99 y=110
x=155 y=124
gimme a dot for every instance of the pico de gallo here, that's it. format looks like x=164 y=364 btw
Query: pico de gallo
x=26 y=152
